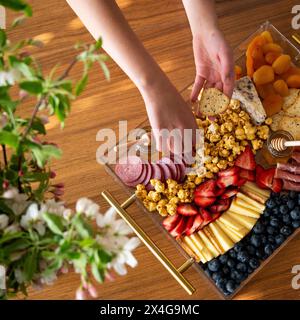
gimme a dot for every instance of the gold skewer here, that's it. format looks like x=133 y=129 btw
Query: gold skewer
x=176 y=273
x=296 y=37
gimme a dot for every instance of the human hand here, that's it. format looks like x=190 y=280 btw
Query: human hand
x=214 y=63
x=167 y=110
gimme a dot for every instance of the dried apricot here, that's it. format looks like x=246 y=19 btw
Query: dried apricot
x=272 y=104
x=293 y=81
x=238 y=72
x=282 y=64
x=267 y=35
x=271 y=47
x=281 y=87
x=263 y=75
x=291 y=71
x=258 y=41
x=270 y=57
x=265 y=90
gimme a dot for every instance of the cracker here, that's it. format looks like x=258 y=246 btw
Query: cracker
x=291 y=124
x=276 y=121
x=289 y=100
x=213 y=102
x=294 y=109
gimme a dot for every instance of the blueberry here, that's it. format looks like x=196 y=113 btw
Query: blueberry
x=270 y=203
x=271 y=230
x=284 y=209
x=296 y=224
x=221 y=283
x=213 y=265
x=238 y=247
x=271 y=239
x=267 y=213
x=264 y=239
x=283 y=198
x=230 y=286
x=291 y=204
x=274 y=222
x=260 y=253
x=243 y=256
x=216 y=276
x=295 y=213
x=258 y=228
x=279 y=239
x=292 y=194
x=249 y=270
x=230 y=263
x=275 y=211
x=226 y=270
x=268 y=249
x=254 y=263
x=208 y=272
x=232 y=253
x=251 y=250
x=223 y=258
x=255 y=240
x=241 y=267
x=286 y=230
x=286 y=219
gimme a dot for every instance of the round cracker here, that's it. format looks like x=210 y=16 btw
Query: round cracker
x=213 y=102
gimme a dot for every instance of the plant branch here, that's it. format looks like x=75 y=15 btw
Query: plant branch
x=4 y=154
x=69 y=68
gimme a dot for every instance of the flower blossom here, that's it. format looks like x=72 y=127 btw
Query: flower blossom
x=9 y=77
x=16 y=201
x=33 y=218
x=3 y=221
x=87 y=207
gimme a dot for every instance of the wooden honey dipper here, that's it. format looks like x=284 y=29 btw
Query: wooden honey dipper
x=280 y=144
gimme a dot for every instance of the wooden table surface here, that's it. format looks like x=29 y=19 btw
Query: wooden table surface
x=163 y=28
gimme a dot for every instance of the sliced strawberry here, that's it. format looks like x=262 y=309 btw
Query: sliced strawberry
x=277 y=185
x=206 y=194
x=180 y=228
x=229 y=172
x=220 y=206
x=241 y=182
x=203 y=201
x=247 y=174
x=196 y=225
x=246 y=159
x=170 y=222
x=219 y=191
x=207 y=218
x=206 y=189
x=215 y=216
x=230 y=192
x=224 y=182
x=264 y=178
x=187 y=209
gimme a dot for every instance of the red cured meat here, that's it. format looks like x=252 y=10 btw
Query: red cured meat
x=166 y=171
x=285 y=175
x=296 y=156
x=156 y=172
x=131 y=170
x=289 y=185
x=289 y=167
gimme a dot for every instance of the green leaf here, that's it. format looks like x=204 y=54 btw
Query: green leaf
x=54 y=223
x=98 y=44
x=17 y=5
x=35 y=176
x=97 y=273
x=10 y=236
x=38 y=126
x=104 y=69
x=81 y=84
x=2 y=38
x=19 y=244
x=82 y=227
x=104 y=256
x=34 y=87
x=30 y=264
x=9 y=138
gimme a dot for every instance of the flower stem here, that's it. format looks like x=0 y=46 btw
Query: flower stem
x=4 y=154
x=69 y=68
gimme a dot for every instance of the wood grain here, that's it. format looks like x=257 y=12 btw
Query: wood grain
x=163 y=28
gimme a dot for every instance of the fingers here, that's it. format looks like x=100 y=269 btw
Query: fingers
x=227 y=71
x=198 y=84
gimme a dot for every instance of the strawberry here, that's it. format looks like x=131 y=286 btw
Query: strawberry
x=264 y=178
x=207 y=218
x=224 y=182
x=189 y=223
x=206 y=189
x=229 y=172
x=230 y=192
x=204 y=202
x=187 y=209
x=180 y=227
x=220 y=206
x=196 y=225
x=277 y=185
x=247 y=174
x=215 y=216
x=241 y=182
x=246 y=159
x=171 y=221
x=219 y=191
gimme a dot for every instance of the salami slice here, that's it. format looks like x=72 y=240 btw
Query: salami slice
x=166 y=171
x=148 y=175
x=156 y=172
x=181 y=169
x=140 y=180
x=171 y=165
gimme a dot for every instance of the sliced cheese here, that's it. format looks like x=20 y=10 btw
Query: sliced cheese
x=209 y=244
x=240 y=233
x=223 y=239
x=246 y=93
x=213 y=239
x=252 y=186
x=234 y=237
x=197 y=241
x=188 y=241
x=244 y=209
x=258 y=205
x=189 y=251
x=247 y=222
x=229 y=221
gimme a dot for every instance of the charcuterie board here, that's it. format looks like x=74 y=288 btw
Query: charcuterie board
x=231 y=220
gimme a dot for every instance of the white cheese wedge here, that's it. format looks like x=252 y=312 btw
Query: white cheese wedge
x=247 y=222
x=246 y=93
x=208 y=244
x=223 y=239
x=244 y=209
x=234 y=237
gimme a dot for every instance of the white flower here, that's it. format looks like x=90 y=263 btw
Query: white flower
x=52 y=206
x=15 y=200
x=2 y=277
x=48 y=280
x=33 y=218
x=3 y=221
x=9 y=77
x=87 y=207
